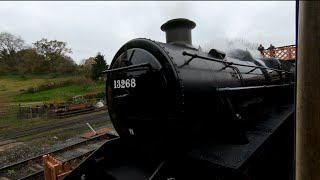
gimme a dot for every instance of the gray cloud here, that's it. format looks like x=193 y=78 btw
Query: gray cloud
x=91 y=27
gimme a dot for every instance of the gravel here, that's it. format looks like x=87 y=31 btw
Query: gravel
x=63 y=138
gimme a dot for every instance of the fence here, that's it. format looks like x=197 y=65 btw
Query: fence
x=20 y=112
x=36 y=112
x=283 y=53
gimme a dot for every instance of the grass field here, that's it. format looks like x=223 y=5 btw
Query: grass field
x=61 y=93
x=12 y=85
x=14 y=88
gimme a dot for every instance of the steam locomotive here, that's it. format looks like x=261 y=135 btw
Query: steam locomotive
x=182 y=113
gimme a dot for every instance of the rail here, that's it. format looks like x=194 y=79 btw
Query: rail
x=227 y=63
x=37 y=158
x=128 y=68
x=50 y=126
x=229 y=89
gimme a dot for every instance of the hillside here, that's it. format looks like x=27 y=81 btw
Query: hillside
x=45 y=89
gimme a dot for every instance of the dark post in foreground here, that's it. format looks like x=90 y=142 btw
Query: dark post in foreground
x=308 y=92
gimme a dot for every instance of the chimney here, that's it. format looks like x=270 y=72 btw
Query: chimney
x=178 y=31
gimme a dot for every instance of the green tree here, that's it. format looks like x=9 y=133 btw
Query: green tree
x=99 y=66
x=86 y=66
x=65 y=64
x=52 y=51
x=30 y=62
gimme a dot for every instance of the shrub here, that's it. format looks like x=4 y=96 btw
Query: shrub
x=30 y=90
x=23 y=77
x=82 y=80
x=51 y=85
x=22 y=90
x=101 y=95
x=3 y=87
x=90 y=95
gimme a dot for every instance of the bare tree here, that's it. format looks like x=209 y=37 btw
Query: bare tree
x=10 y=44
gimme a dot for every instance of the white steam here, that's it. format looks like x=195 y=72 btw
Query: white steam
x=227 y=45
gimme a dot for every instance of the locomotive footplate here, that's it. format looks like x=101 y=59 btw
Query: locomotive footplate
x=270 y=149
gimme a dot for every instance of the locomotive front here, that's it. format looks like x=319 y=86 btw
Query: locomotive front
x=159 y=93
x=141 y=90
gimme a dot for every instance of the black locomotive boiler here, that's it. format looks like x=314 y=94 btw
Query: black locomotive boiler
x=183 y=113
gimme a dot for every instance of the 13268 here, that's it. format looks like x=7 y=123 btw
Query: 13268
x=124 y=83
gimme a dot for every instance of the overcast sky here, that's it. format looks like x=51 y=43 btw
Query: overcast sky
x=91 y=27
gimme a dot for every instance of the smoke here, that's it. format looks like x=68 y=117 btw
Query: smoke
x=160 y=13
x=230 y=46
x=177 y=9
x=220 y=39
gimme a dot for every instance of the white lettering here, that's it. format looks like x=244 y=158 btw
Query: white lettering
x=124 y=83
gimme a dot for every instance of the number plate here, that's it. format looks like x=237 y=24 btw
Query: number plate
x=124 y=83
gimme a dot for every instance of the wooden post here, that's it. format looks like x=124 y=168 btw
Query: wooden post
x=55 y=170
x=66 y=170
x=272 y=54
x=308 y=92
x=75 y=163
x=45 y=167
x=289 y=51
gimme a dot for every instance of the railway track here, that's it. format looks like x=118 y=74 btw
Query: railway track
x=79 y=112
x=8 y=137
x=32 y=168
